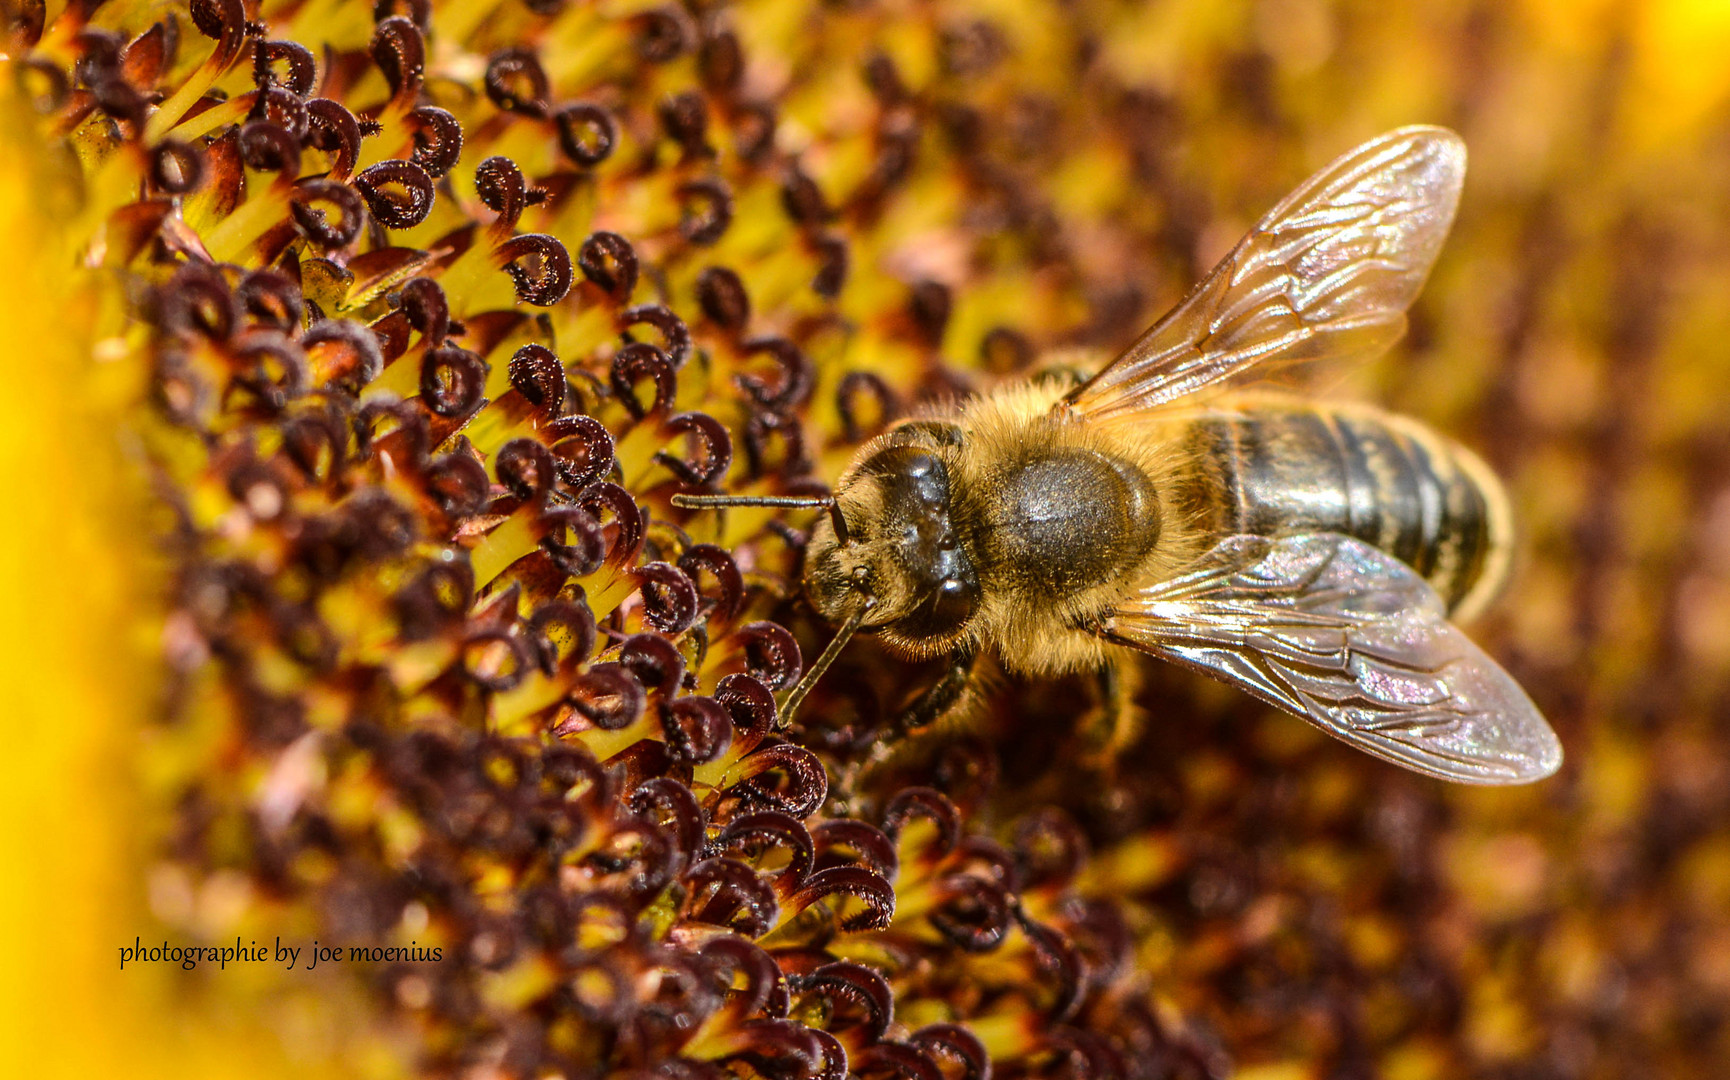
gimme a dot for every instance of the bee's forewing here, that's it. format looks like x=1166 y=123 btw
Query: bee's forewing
x=1353 y=640
x=1327 y=274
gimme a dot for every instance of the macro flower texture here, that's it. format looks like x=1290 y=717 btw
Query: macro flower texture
x=357 y=352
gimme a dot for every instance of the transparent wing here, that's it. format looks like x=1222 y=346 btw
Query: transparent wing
x=1327 y=274
x=1353 y=640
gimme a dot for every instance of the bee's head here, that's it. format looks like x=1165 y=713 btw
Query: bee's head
x=887 y=557
x=889 y=545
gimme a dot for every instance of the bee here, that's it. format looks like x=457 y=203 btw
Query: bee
x=1310 y=553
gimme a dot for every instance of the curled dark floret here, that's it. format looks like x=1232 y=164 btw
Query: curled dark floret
x=869 y=847
x=400 y=53
x=608 y=260
x=583 y=448
x=705 y=210
x=218 y=18
x=720 y=60
x=675 y=335
x=428 y=312
x=539 y=267
x=198 y=302
x=654 y=661
x=852 y=386
x=685 y=118
x=269 y=147
x=751 y=705
x=398 y=193
x=572 y=539
x=525 y=467
x=663 y=34
x=730 y=584
x=886 y=1059
x=855 y=996
x=383 y=527
x=783 y=777
x=790 y=1050
x=930 y=303
x=608 y=502
x=495 y=659
x=453 y=381
x=754 y=130
x=697 y=730
x=796 y=375
x=723 y=298
x=328 y=213
x=751 y=837
x=637 y=859
x=399 y=422
x=516 y=82
x=771 y=654
x=709 y=453
x=457 y=484
x=803 y=199
x=176 y=167
x=330 y=127
x=417 y=11
x=271 y=299
x=725 y=892
x=438 y=139
x=348 y=354
x=831 y=266
x=562 y=633
x=933 y=806
x=875 y=894
x=536 y=374
x=635 y=363
x=501 y=187
x=587 y=133
x=954 y=1043
x=669 y=597
x=764 y=431
x=270 y=368
x=317 y=444
x=256 y=486
x=972 y=913
x=607 y=696
x=1058 y=960
x=1049 y=848
x=301 y=71
x=765 y=986
x=671 y=806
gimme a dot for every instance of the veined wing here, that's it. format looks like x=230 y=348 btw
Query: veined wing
x=1353 y=640
x=1327 y=274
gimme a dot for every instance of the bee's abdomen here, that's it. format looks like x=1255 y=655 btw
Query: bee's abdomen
x=1382 y=479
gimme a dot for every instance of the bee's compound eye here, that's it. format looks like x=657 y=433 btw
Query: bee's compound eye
x=951 y=605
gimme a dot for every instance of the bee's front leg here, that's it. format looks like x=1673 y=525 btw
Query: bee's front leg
x=1109 y=732
x=941 y=696
x=955 y=693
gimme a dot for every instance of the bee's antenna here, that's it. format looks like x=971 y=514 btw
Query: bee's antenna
x=795 y=502
x=792 y=502
x=790 y=704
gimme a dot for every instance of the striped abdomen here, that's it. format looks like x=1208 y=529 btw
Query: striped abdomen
x=1290 y=467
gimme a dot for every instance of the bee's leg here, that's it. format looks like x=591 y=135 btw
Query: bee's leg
x=956 y=694
x=1110 y=731
x=941 y=696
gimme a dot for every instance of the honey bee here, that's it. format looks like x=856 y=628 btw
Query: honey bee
x=1311 y=553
